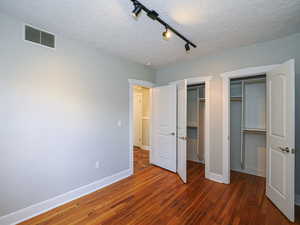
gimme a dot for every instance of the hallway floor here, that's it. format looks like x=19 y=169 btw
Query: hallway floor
x=141 y=159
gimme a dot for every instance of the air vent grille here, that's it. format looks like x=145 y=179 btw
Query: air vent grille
x=39 y=37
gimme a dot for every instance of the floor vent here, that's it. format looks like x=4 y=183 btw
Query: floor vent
x=39 y=37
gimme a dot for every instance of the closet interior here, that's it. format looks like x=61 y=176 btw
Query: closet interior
x=195 y=122
x=248 y=125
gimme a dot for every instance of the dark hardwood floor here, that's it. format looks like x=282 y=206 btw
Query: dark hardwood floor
x=141 y=159
x=154 y=196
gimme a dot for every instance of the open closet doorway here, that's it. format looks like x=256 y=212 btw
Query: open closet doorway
x=259 y=130
x=193 y=127
x=141 y=127
x=248 y=125
x=196 y=126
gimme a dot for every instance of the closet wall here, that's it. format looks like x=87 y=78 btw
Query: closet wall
x=195 y=123
x=248 y=125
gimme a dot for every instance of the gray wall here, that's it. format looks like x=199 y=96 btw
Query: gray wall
x=59 y=112
x=266 y=53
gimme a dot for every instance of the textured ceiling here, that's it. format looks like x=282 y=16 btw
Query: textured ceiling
x=213 y=25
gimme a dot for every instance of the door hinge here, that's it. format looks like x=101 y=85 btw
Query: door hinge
x=293 y=151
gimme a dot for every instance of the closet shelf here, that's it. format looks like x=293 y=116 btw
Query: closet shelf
x=254 y=130
x=192 y=126
x=236 y=98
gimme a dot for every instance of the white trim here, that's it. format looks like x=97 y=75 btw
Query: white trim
x=132 y=83
x=297 y=200
x=215 y=177
x=194 y=80
x=39 y=208
x=251 y=172
x=206 y=80
x=198 y=80
x=142 y=83
x=146 y=147
x=197 y=161
x=251 y=71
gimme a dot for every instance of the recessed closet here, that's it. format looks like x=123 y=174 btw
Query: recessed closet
x=195 y=122
x=248 y=125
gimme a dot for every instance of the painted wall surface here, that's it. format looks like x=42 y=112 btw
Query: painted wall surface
x=272 y=52
x=59 y=113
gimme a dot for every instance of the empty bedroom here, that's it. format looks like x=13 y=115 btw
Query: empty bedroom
x=139 y=112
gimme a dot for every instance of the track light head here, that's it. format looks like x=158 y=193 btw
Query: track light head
x=187 y=48
x=137 y=10
x=166 y=34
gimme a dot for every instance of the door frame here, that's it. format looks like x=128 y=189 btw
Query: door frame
x=204 y=80
x=226 y=77
x=146 y=84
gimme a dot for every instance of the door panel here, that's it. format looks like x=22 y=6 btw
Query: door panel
x=164 y=127
x=278 y=122
x=181 y=129
x=281 y=137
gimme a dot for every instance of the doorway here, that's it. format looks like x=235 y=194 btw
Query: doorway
x=248 y=125
x=140 y=113
x=196 y=103
x=141 y=127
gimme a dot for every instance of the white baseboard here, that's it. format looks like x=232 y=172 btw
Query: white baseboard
x=145 y=147
x=39 y=208
x=197 y=161
x=215 y=177
x=297 y=199
x=251 y=172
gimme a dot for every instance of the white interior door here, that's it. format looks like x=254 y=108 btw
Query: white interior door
x=281 y=137
x=181 y=129
x=138 y=113
x=164 y=127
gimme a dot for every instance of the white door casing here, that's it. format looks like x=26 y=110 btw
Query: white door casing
x=137 y=118
x=246 y=72
x=281 y=137
x=181 y=130
x=164 y=127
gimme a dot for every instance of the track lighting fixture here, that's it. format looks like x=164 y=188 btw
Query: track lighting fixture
x=166 y=34
x=187 y=48
x=137 y=10
x=152 y=14
x=139 y=7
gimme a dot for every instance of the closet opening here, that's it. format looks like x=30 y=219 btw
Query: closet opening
x=196 y=103
x=141 y=127
x=248 y=125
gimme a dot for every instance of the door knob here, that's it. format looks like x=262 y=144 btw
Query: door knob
x=287 y=150
x=173 y=133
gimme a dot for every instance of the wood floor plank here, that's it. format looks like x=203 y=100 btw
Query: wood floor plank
x=154 y=196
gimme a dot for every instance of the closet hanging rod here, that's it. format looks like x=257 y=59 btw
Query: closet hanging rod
x=255 y=80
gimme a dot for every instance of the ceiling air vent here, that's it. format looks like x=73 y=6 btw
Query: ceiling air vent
x=39 y=37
